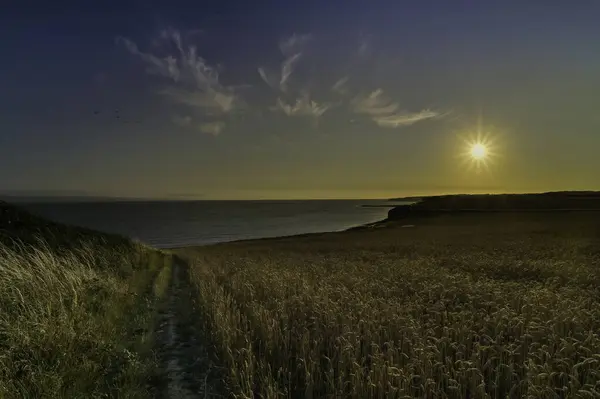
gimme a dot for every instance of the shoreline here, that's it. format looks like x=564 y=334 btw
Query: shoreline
x=196 y=305
x=407 y=209
x=434 y=206
x=300 y=235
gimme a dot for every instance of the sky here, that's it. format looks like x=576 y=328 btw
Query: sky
x=298 y=99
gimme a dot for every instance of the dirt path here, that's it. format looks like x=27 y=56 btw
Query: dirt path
x=184 y=360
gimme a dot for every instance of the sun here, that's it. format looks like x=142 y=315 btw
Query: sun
x=480 y=148
x=478 y=151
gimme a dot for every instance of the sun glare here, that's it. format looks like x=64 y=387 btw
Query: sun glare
x=478 y=151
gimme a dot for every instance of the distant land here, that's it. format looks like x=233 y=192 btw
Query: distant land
x=36 y=196
x=534 y=202
x=562 y=194
x=406 y=199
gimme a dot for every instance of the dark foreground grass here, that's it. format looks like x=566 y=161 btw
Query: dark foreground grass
x=77 y=311
x=470 y=306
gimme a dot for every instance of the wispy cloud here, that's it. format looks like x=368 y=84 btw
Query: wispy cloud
x=182 y=121
x=211 y=102
x=374 y=104
x=290 y=45
x=193 y=76
x=385 y=112
x=286 y=70
x=189 y=80
x=291 y=48
x=364 y=45
x=212 y=128
x=193 y=81
x=303 y=106
x=404 y=119
x=341 y=86
x=268 y=77
x=301 y=103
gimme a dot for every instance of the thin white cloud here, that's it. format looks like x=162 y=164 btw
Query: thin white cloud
x=303 y=106
x=404 y=119
x=291 y=49
x=374 y=104
x=268 y=77
x=156 y=65
x=212 y=102
x=385 y=112
x=212 y=128
x=194 y=82
x=286 y=70
x=364 y=45
x=290 y=45
x=341 y=86
x=191 y=81
x=182 y=121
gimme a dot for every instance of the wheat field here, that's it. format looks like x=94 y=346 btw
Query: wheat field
x=496 y=306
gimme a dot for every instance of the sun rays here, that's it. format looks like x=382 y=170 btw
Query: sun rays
x=479 y=150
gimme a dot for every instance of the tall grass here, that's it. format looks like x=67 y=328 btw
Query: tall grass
x=77 y=322
x=461 y=311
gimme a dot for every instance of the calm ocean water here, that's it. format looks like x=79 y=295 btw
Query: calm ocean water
x=173 y=224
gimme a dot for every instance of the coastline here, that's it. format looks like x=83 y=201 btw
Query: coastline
x=461 y=204
x=439 y=277
x=209 y=301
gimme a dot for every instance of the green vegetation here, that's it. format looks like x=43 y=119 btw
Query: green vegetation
x=543 y=202
x=502 y=202
x=77 y=310
x=480 y=306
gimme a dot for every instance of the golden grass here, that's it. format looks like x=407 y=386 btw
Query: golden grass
x=78 y=322
x=478 y=306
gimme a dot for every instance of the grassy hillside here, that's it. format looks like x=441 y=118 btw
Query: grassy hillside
x=18 y=226
x=567 y=200
x=77 y=310
x=552 y=200
x=459 y=306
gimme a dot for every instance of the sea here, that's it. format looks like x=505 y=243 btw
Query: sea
x=170 y=224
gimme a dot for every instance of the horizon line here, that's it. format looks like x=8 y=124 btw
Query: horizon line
x=109 y=198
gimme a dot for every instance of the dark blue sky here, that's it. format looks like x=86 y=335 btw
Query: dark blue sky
x=279 y=99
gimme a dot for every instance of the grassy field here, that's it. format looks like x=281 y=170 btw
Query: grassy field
x=541 y=202
x=470 y=306
x=77 y=311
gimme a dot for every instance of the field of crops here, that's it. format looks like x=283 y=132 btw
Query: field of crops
x=477 y=306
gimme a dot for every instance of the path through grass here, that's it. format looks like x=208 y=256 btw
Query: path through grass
x=78 y=311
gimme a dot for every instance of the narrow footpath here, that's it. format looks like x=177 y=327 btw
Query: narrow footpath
x=184 y=359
